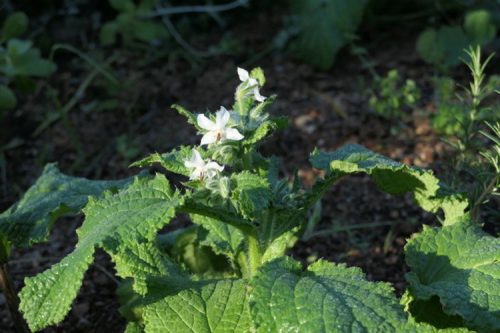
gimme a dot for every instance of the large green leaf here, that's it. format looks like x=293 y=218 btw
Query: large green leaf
x=218 y=306
x=392 y=177
x=132 y=215
x=325 y=298
x=54 y=194
x=325 y=27
x=460 y=264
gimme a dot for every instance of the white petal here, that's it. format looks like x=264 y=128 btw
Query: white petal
x=252 y=82
x=222 y=117
x=209 y=138
x=258 y=97
x=214 y=166
x=196 y=158
x=233 y=134
x=243 y=74
x=205 y=123
x=195 y=162
x=194 y=175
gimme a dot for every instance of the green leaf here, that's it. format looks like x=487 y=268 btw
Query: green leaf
x=17 y=47
x=31 y=64
x=108 y=33
x=172 y=161
x=134 y=327
x=479 y=27
x=325 y=27
x=221 y=237
x=148 y=31
x=325 y=298
x=460 y=264
x=265 y=129
x=201 y=307
x=132 y=215
x=190 y=117
x=251 y=193
x=142 y=260
x=392 y=177
x=443 y=47
x=14 y=26
x=8 y=100
x=54 y=194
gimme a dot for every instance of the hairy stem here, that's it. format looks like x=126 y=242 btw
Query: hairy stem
x=12 y=300
x=254 y=254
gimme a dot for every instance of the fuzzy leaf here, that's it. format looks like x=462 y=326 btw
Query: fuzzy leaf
x=264 y=130
x=460 y=264
x=251 y=193
x=218 y=306
x=142 y=260
x=392 y=177
x=136 y=213
x=325 y=298
x=222 y=237
x=54 y=194
x=172 y=161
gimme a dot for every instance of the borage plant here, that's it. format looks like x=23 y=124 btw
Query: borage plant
x=229 y=272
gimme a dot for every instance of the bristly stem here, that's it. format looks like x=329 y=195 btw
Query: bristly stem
x=12 y=300
x=254 y=254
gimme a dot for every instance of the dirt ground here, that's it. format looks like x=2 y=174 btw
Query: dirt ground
x=326 y=110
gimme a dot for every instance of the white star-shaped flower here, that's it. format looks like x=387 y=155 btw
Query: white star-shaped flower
x=217 y=131
x=201 y=169
x=251 y=83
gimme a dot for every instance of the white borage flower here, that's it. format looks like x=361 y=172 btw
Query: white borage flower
x=201 y=169
x=218 y=131
x=251 y=83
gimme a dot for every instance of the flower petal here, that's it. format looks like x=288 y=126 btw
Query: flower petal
x=209 y=138
x=252 y=82
x=197 y=158
x=205 y=123
x=243 y=74
x=258 y=97
x=214 y=166
x=222 y=117
x=233 y=134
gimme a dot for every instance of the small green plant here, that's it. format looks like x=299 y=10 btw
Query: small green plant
x=130 y=25
x=444 y=47
x=228 y=271
x=19 y=60
x=391 y=97
x=461 y=118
